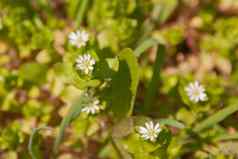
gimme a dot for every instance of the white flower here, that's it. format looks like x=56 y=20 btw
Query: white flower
x=78 y=38
x=150 y=131
x=85 y=63
x=196 y=92
x=92 y=108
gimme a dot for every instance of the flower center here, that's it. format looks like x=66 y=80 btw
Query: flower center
x=196 y=92
x=79 y=40
x=152 y=133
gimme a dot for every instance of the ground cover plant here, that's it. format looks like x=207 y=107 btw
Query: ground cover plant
x=118 y=79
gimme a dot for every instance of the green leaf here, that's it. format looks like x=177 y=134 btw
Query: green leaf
x=148 y=43
x=103 y=70
x=73 y=75
x=134 y=144
x=33 y=146
x=171 y=122
x=11 y=136
x=216 y=118
x=72 y=7
x=73 y=113
x=164 y=140
x=164 y=9
x=122 y=91
x=226 y=137
x=33 y=72
x=140 y=120
x=153 y=85
x=140 y=148
x=81 y=11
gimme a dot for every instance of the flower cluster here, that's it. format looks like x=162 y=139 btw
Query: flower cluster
x=85 y=63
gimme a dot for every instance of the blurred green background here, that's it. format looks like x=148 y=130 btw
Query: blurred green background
x=201 y=39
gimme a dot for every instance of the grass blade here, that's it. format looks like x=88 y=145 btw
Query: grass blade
x=171 y=122
x=32 y=148
x=151 y=91
x=148 y=43
x=73 y=113
x=227 y=137
x=81 y=12
x=153 y=85
x=216 y=118
x=121 y=152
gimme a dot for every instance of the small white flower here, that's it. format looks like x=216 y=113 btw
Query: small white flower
x=85 y=63
x=78 y=38
x=150 y=131
x=93 y=107
x=196 y=92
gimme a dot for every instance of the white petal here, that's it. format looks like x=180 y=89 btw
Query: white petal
x=151 y=124
x=157 y=127
x=196 y=84
x=142 y=130
x=203 y=97
x=147 y=125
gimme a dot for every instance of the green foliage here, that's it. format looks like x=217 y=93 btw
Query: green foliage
x=144 y=54
x=163 y=10
x=121 y=94
x=74 y=76
x=11 y=136
x=33 y=146
x=106 y=16
x=33 y=72
x=171 y=122
x=73 y=113
x=151 y=90
x=223 y=42
x=218 y=117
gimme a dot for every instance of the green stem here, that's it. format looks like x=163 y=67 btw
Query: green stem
x=122 y=154
x=87 y=126
x=115 y=146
